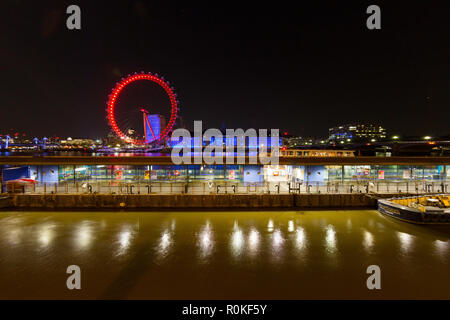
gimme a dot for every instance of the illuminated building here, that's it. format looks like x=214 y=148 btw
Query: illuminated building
x=153 y=125
x=357 y=133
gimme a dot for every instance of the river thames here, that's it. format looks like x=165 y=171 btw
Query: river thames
x=220 y=255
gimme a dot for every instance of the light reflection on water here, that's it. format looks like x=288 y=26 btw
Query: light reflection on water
x=194 y=246
x=330 y=239
x=84 y=235
x=368 y=240
x=443 y=248
x=277 y=240
x=301 y=241
x=124 y=239
x=237 y=240
x=15 y=236
x=205 y=241
x=270 y=225
x=254 y=239
x=291 y=226
x=46 y=234
x=165 y=244
x=406 y=241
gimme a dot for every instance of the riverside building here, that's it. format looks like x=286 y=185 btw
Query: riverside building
x=320 y=174
x=357 y=133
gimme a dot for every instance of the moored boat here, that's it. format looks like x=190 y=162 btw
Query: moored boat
x=427 y=209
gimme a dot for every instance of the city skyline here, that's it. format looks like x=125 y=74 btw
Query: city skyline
x=326 y=135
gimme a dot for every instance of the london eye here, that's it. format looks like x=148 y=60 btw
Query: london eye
x=145 y=112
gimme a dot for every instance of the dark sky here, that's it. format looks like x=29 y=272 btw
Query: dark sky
x=300 y=68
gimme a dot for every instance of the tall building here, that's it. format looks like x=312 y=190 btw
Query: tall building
x=154 y=126
x=357 y=133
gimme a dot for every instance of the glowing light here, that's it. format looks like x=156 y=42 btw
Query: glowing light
x=270 y=225
x=291 y=226
x=237 y=240
x=300 y=238
x=368 y=240
x=14 y=236
x=46 y=235
x=205 y=240
x=83 y=236
x=277 y=240
x=442 y=247
x=124 y=239
x=330 y=239
x=164 y=244
x=253 y=240
x=405 y=241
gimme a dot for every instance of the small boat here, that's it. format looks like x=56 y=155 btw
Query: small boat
x=427 y=209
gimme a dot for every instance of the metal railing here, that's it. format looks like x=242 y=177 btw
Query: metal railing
x=224 y=187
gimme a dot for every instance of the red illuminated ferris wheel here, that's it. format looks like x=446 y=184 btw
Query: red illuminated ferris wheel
x=154 y=129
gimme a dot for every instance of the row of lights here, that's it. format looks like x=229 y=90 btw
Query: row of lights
x=424 y=138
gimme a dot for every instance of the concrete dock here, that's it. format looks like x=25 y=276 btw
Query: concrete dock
x=189 y=201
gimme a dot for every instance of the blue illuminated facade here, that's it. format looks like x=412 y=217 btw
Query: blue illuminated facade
x=154 y=124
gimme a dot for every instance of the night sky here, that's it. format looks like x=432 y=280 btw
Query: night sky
x=300 y=68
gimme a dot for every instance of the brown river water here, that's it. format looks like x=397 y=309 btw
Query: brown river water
x=220 y=255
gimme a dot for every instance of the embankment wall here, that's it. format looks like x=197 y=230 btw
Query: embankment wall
x=183 y=201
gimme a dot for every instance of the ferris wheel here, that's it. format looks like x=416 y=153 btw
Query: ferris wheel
x=137 y=124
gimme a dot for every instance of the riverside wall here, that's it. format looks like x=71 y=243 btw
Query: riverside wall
x=5 y=202
x=185 y=201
